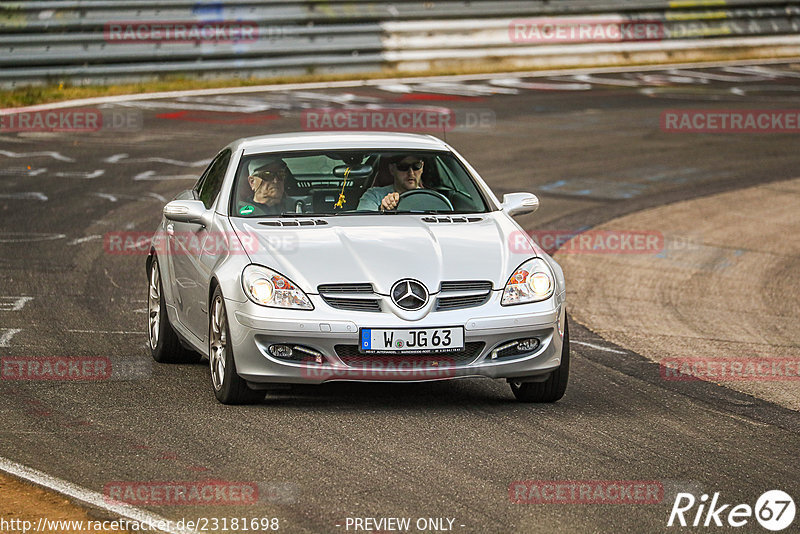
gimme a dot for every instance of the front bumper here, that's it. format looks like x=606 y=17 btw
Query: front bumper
x=335 y=334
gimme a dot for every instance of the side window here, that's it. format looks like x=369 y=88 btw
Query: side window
x=211 y=182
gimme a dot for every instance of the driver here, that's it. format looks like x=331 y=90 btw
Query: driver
x=406 y=170
x=266 y=180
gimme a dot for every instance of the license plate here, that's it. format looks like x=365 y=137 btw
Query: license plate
x=408 y=341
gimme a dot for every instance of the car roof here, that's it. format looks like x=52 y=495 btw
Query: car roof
x=338 y=140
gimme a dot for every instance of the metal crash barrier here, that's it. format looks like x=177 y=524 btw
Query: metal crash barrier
x=112 y=41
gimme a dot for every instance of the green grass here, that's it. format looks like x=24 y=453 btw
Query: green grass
x=32 y=95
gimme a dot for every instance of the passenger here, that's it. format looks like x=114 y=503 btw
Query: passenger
x=267 y=181
x=406 y=171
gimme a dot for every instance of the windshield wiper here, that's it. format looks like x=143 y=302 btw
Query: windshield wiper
x=370 y=212
x=293 y=214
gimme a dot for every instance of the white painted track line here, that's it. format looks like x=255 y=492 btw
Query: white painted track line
x=598 y=347
x=89 y=497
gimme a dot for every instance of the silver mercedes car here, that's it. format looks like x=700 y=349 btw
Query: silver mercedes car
x=306 y=258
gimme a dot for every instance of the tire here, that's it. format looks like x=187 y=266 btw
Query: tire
x=165 y=347
x=228 y=386
x=551 y=389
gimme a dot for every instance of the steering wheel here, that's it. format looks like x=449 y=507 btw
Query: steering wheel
x=423 y=200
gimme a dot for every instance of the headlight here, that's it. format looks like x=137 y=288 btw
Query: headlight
x=268 y=288
x=531 y=282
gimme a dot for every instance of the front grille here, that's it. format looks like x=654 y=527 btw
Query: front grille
x=350 y=297
x=454 y=303
x=353 y=304
x=346 y=288
x=349 y=354
x=459 y=294
x=466 y=285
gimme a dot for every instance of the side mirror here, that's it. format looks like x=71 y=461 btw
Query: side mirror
x=187 y=211
x=520 y=203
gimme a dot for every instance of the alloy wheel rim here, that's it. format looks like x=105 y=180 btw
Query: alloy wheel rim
x=154 y=305
x=217 y=344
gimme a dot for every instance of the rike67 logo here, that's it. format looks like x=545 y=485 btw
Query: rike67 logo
x=774 y=510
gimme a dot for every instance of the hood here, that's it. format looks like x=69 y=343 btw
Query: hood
x=383 y=249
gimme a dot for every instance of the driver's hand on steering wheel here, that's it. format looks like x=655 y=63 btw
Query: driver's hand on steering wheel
x=390 y=201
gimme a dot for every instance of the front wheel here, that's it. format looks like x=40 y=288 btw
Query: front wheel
x=229 y=387
x=551 y=389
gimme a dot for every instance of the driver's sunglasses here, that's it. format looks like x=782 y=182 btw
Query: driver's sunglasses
x=278 y=175
x=403 y=167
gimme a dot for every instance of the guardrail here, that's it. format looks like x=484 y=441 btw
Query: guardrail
x=103 y=41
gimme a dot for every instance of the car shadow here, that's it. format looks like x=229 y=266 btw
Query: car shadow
x=470 y=394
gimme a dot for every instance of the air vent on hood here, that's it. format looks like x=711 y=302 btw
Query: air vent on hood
x=451 y=219
x=294 y=222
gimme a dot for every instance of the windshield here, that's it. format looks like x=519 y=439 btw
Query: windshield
x=353 y=183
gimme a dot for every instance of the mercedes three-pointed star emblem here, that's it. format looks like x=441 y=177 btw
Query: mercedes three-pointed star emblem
x=409 y=294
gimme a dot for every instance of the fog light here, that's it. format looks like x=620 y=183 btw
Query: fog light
x=503 y=350
x=527 y=345
x=316 y=355
x=515 y=348
x=281 y=351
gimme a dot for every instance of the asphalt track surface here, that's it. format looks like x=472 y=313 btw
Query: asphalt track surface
x=592 y=149
x=658 y=304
